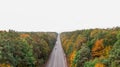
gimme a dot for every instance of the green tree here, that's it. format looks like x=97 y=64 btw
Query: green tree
x=82 y=56
x=115 y=53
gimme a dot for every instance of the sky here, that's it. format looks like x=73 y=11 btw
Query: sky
x=58 y=15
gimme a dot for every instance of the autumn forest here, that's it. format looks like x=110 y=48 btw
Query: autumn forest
x=25 y=49
x=83 y=48
x=92 y=47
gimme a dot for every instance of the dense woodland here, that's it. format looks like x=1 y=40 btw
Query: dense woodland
x=25 y=49
x=83 y=48
x=92 y=47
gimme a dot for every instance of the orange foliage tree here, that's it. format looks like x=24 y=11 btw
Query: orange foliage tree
x=98 y=48
x=24 y=35
x=99 y=65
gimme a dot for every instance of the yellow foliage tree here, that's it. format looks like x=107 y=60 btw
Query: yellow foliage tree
x=94 y=33
x=71 y=58
x=5 y=65
x=106 y=51
x=80 y=39
x=66 y=45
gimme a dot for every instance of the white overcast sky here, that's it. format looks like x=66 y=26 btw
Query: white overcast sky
x=58 y=15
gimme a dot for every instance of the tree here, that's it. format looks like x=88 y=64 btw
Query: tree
x=97 y=49
x=99 y=65
x=25 y=49
x=82 y=56
x=71 y=58
x=91 y=63
x=115 y=53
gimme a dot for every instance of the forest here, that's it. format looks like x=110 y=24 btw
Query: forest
x=25 y=49
x=83 y=48
x=92 y=47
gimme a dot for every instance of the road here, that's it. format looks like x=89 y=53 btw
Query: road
x=57 y=57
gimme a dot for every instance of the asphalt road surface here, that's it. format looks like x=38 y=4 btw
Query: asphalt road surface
x=57 y=57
